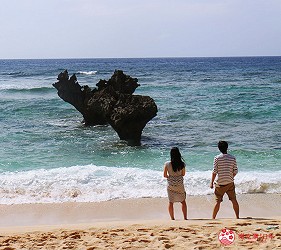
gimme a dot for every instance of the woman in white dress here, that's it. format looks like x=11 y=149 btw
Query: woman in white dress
x=174 y=170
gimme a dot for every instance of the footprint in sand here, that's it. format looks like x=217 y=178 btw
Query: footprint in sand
x=214 y=223
x=74 y=235
x=186 y=229
x=143 y=230
x=201 y=242
x=167 y=246
x=271 y=224
x=163 y=238
x=131 y=240
x=145 y=241
x=243 y=224
x=118 y=230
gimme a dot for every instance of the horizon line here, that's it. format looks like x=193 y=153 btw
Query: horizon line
x=160 y=57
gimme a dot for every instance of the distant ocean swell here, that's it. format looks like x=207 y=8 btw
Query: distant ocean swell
x=28 y=73
x=28 y=90
x=100 y=183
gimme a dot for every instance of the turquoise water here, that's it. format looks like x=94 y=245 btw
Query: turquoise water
x=47 y=155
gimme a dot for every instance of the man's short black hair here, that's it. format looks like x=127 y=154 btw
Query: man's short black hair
x=223 y=146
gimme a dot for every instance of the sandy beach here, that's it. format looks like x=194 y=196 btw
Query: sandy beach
x=142 y=224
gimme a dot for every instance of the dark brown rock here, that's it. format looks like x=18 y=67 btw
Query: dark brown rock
x=112 y=103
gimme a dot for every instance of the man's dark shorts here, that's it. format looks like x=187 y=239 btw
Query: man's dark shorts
x=229 y=189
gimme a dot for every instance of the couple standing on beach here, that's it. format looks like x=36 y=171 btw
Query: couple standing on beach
x=224 y=167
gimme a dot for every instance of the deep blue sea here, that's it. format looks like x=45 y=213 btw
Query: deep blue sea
x=47 y=155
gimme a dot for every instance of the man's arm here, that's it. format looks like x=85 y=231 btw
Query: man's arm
x=215 y=171
x=235 y=168
x=213 y=179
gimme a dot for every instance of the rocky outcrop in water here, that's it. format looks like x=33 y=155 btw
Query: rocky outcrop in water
x=112 y=102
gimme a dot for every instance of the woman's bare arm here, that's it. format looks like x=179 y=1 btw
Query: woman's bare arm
x=165 y=171
x=183 y=172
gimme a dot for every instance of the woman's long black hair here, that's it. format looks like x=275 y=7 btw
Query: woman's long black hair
x=176 y=159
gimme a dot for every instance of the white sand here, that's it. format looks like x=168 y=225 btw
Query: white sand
x=140 y=223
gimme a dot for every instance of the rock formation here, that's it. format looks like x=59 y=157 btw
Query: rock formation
x=111 y=103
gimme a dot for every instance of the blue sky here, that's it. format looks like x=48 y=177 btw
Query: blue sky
x=139 y=28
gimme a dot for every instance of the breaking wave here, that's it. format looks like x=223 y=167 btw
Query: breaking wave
x=87 y=72
x=91 y=183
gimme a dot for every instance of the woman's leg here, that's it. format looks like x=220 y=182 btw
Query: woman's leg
x=184 y=209
x=171 y=210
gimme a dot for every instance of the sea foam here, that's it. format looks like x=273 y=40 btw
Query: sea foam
x=87 y=72
x=92 y=183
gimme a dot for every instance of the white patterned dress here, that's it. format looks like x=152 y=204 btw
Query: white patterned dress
x=176 y=191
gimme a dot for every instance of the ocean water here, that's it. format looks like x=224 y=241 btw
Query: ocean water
x=47 y=155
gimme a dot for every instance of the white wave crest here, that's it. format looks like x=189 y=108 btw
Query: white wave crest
x=79 y=183
x=87 y=72
x=92 y=183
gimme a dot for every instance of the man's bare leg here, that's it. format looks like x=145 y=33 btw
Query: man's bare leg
x=216 y=209
x=235 y=207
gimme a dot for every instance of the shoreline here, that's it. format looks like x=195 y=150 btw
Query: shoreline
x=141 y=224
x=199 y=207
